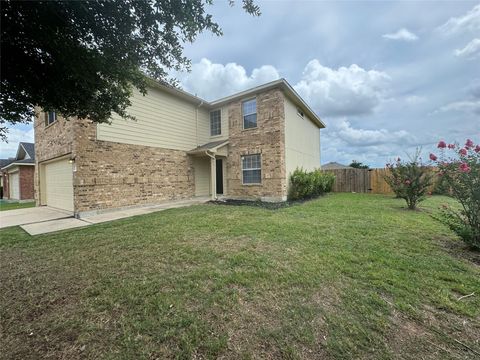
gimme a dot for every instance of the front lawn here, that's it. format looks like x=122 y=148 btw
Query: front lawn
x=15 y=205
x=344 y=276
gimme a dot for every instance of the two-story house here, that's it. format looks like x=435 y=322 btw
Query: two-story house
x=179 y=146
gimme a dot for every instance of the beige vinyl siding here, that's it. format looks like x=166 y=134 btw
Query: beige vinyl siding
x=201 y=168
x=162 y=120
x=204 y=126
x=302 y=140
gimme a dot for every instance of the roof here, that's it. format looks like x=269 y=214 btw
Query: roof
x=280 y=83
x=334 y=165
x=29 y=149
x=211 y=146
x=19 y=162
x=5 y=162
x=25 y=156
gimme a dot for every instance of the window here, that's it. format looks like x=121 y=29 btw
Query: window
x=300 y=113
x=249 y=110
x=215 y=122
x=50 y=117
x=252 y=169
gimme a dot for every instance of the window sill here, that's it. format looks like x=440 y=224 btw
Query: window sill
x=256 y=184
x=252 y=128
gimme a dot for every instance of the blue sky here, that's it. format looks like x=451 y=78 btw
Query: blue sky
x=385 y=77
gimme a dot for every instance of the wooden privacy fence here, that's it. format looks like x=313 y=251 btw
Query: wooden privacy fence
x=361 y=180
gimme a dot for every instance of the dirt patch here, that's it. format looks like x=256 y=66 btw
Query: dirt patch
x=460 y=250
x=434 y=335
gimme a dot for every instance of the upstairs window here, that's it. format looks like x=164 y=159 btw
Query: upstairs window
x=50 y=117
x=252 y=169
x=215 y=122
x=300 y=113
x=249 y=110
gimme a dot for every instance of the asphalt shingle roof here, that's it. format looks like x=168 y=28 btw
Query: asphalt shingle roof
x=29 y=148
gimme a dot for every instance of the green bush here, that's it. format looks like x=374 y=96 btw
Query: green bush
x=305 y=185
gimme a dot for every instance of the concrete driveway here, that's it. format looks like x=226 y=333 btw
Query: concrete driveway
x=44 y=219
x=31 y=215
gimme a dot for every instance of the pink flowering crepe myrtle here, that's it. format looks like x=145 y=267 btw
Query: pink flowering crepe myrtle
x=467 y=154
x=459 y=167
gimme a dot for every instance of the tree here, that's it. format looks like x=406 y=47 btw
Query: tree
x=459 y=167
x=358 y=165
x=409 y=180
x=82 y=58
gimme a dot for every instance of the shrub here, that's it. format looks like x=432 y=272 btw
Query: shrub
x=304 y=185
x=409 y=180
x=461 y=171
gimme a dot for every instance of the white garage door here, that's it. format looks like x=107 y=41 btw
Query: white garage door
x=14 y=185
x=59 y=185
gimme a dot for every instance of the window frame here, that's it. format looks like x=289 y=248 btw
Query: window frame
x=47 y=118
x=243 y=114
x=251 y=169
x=219 y=122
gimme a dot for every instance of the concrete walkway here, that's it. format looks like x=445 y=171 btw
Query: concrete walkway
x=31 y=215
x=44 y=227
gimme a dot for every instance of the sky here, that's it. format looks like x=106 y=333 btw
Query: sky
x=385 y=77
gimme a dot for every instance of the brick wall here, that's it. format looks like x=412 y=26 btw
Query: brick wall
x=51 y=142
x=26 y=177
x=112 y=175
x=267 y=139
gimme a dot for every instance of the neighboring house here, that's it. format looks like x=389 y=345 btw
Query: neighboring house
x=18 y=174
x=334 y=165
x=3 y=162
x=179 y=146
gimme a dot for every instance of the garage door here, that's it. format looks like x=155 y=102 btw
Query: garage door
x=14 y=185
x=59 y=185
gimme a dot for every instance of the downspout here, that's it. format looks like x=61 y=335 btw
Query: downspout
x=212 y=174
x=196 y=121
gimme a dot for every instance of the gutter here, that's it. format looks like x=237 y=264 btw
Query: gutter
x=196 y=120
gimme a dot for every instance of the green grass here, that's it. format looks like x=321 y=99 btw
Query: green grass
x=4 y=206
x=345 y=276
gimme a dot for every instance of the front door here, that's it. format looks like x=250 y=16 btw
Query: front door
x=219 y=181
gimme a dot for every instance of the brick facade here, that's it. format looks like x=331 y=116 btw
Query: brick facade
x=110 y=175
x=267 y=139
x=26 y=182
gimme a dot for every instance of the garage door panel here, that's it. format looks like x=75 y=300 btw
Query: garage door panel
x=14 y=185
x=59 y=185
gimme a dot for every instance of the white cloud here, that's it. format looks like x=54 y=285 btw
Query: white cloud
x=346 y=91
x=469 y=106
x=402 y=34
x=470 y=51
x=468 y=22
x=14 y=136
x=213 y=81
x=343 y=130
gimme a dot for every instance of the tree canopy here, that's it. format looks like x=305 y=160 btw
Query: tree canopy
x=358 y=165
x=82 y=58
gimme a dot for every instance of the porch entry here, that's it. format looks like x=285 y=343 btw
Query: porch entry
x=219 y=176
